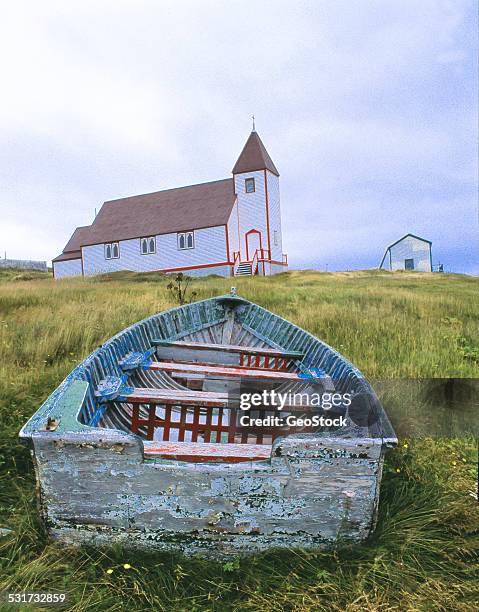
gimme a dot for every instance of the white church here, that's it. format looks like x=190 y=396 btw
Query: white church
x=229 y=227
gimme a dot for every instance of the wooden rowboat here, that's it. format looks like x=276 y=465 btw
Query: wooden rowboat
x=145 y=443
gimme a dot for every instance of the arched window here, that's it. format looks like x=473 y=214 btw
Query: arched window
x=148 y=245
x=112 y=250
x=186 y=240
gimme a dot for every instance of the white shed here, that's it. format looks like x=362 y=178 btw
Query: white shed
x=408 y=253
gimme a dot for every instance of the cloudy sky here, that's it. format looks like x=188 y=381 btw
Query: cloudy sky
x=367 y=107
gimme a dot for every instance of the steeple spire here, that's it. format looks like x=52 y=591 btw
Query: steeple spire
x=254 y=129
x=254 y=156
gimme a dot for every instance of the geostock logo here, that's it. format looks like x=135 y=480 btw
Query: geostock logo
x=267 y=408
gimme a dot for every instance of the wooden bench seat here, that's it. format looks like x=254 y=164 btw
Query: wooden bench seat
x=207 y=452
x=225 y=354
x=141 y=395
x=230 y=348
x=204 y=369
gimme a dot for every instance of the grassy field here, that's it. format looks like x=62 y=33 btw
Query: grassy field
x=424 y=553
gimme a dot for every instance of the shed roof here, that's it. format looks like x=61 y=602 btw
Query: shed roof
x=406 y=236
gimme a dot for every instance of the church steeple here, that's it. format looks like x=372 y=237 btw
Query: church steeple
x=254 y=156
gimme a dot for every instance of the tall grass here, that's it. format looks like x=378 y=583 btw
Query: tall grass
x=423 y=555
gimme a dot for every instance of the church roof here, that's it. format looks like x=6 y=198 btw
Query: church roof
x=68 y=256
x=77 y=239
x=161 y=212
x=72 y=247
x=254 y=156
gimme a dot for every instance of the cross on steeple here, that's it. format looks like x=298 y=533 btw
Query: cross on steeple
x=254 y=130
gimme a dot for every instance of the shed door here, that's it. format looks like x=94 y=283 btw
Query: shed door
x=409 y=264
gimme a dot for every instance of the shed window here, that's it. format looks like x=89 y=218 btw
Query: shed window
x=148 y=245
x=249 y=185
x=112 y=250
x=409 y=264
x=186 y=240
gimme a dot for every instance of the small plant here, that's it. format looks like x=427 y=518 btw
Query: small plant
x=467 y=349
x=231 y=566
x=178 y=289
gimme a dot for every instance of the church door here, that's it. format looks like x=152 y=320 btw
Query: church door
x=253 y=242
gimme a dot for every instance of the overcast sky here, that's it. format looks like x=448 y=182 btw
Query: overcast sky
x=368 y=109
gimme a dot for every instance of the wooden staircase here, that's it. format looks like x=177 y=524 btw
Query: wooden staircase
x=244 y=268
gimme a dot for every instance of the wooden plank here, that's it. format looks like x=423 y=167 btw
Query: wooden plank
x=228 y=329
x=196 y=369
x=150 y=423
x=207 y=451
x=230 y=348
x=135 y=418
x=196 y=428
x=177 y=397
x=204 y=399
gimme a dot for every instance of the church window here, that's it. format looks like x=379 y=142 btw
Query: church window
x=112 y=250
x=186 y=240
x=148 y=245
x=249 y=185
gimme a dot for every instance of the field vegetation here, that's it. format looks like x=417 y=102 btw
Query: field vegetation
x=424 y=552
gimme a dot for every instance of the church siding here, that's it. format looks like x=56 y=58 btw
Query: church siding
x=71 y=267
x=210 y=248
x=238 y=222
x=233 y=236
x=274 y=213
x=251 y=208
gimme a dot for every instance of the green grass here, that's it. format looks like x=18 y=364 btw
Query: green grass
x=423 y=555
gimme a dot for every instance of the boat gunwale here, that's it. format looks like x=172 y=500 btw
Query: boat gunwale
x=48 y=407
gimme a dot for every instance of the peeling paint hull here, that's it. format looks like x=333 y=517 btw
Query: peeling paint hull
x=98 y=485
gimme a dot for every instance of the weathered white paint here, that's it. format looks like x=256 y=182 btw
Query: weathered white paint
x=64 y=269
x=210 y=248
x=310 y=493
x=98 y=485
x=410 y=247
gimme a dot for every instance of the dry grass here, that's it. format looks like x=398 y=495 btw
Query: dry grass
x=423 y=555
